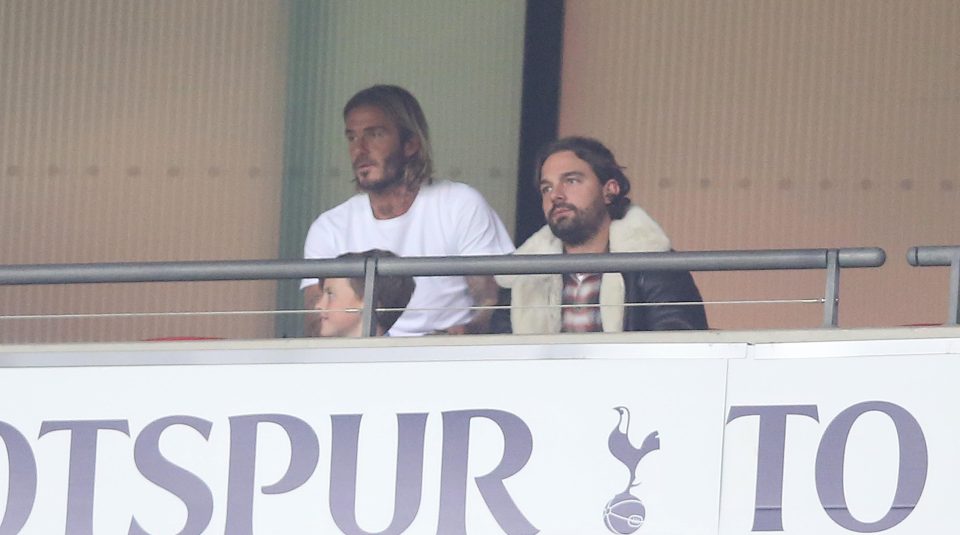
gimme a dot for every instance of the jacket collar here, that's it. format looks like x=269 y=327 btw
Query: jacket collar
x=537 y=297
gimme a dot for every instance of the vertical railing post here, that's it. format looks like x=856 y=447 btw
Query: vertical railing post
x=368 y=326
x=831 y=299
x=953 y=315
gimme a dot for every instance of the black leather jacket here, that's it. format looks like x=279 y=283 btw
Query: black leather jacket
x=662 y=287
x=643 y=287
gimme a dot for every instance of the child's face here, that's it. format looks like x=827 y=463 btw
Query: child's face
x=336 y=296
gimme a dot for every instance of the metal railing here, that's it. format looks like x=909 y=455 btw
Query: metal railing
x=940 y=255
x=831 y=260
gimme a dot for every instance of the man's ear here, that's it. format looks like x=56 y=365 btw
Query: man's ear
x=411 y=146
x=610 y=190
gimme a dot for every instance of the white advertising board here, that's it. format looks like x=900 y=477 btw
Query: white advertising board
x=486 y=447
x=842 y=445
x=825 y=437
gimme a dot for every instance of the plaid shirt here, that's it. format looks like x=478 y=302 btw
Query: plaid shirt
x=581 y=289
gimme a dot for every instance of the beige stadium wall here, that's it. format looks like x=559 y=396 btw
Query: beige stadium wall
x=759 y=124
x=139 y=131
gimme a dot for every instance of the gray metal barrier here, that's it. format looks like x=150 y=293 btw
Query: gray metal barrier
x=832 y=260
x=941 y=255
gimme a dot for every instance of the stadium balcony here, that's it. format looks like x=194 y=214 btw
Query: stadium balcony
x=817 y=430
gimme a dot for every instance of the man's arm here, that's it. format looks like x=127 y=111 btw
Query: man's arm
x=311 y=320
x=481 y=233
x=484 y=291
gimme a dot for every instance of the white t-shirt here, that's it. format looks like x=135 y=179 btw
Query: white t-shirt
x=446 y=219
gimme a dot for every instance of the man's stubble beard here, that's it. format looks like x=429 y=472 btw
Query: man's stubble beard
x=394 y=161
x=581 y=226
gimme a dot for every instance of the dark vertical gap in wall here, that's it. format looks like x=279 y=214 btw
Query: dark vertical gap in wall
x=540 y=104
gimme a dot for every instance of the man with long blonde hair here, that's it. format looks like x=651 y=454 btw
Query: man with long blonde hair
x=400 y=208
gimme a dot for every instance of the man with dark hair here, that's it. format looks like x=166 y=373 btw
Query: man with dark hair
x=400 y=208
x=585 y=202
x=341 y=300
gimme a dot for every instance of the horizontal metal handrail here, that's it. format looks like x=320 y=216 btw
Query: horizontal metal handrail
x=770 y=259
x=932 y=255
x=941 y=255
x=210 y=270
x=369 y=268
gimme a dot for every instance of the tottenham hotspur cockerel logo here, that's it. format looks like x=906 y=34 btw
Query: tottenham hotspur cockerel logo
x=624 y=514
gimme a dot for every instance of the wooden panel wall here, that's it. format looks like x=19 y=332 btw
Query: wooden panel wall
x=751 y=124
x=139 y=131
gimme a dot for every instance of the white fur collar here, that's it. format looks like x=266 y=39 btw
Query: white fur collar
x=536 y=298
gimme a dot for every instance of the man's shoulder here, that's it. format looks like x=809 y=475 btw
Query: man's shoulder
x=345 y=209
x=637 y=232
x=446 y=191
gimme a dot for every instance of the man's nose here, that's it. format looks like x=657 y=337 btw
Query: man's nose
x=358 y=146
x=557 y=193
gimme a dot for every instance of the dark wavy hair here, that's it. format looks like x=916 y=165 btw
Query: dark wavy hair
x=393 y=291
x=405 y=112
x=601 y=161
